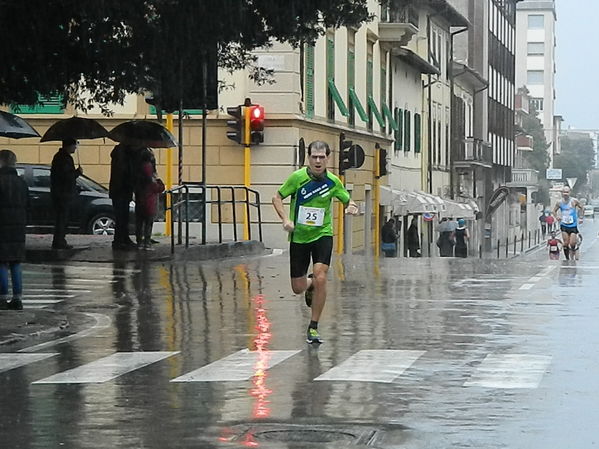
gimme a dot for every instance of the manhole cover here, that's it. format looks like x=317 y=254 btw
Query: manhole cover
x=305 y=436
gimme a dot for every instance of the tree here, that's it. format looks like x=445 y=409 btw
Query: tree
x=538 y=158
x=576 y=159
x=111 y=47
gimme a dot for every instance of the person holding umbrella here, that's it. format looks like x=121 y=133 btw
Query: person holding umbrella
x=63 y=190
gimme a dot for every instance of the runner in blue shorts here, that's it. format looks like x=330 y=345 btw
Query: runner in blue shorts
x=569 y=213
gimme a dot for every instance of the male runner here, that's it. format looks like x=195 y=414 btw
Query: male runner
x=571 y=213
x=310 y=227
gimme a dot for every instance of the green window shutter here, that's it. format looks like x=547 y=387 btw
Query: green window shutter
x=330 y=77
x=334 y=93
x=376 y=112
x=399 y=132
x=384 y=95
x=369 y=87
x=185 y=111
x=351 y=81
x=417 y=133
x=407 y=131
x=355 y=102
x=387 y=112
x=48 y=105
x=309 y=56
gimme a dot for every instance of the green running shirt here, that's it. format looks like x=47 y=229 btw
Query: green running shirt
x=311 y=204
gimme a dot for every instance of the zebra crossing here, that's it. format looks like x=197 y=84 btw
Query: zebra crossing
x=496 y=371
x=48 y=285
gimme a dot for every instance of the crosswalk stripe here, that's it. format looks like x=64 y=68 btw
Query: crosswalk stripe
x=41 y=301
x=56 y=290
x=373 y=365
x=107 y=368
x=240 y=366
x=49 y=295
x=509 y=371
x=10 y=361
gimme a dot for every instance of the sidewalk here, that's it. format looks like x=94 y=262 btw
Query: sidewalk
x=35 y=324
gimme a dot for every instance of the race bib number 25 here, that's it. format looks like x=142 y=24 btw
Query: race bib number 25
x=311 y=216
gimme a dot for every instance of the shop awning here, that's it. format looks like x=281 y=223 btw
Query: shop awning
x=457 y=210
x=409 y=203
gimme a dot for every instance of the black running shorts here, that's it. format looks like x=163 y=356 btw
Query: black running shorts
x=300 y=253
x=573 y=230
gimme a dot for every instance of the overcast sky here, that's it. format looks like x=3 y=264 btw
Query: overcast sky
x=577 y=81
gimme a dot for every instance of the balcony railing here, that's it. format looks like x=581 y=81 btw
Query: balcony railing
x=525 y=176
x=397 y=12
x=475 y=150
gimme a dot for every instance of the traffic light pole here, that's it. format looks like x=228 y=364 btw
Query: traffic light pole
x=377 y=201
x=169 y=179
x=340 y=223
x=247 y=163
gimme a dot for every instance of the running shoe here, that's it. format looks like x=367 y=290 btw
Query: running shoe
x=309 y=293
x=313 y=336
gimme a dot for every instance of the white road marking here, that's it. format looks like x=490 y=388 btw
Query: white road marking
x=49 y=296
x=527 y=286
x=11 y=361
x=55 y=290
x=107 y=368
x=102 y=322
x=510 y=371
x=240 y=366
x=41 y=301
x=373 y=365
x=535 y=279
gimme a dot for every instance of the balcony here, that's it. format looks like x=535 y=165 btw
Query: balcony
x=524 y=142
x=474 y=152
x=399 y=23
x=524 y=177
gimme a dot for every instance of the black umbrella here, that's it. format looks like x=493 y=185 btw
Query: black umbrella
x=74 y=128
x=143 y=133
x=15 y=127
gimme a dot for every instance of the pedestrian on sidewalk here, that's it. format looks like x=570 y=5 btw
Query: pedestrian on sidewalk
x=461 y=239
x=63 y=190
x=389 y=238
x=310 y=227
x=413 y=239
x=121 y=192
x=549 y=221
x=13 y=219
x=543 y=221
x=445 y=241
x=147 y=189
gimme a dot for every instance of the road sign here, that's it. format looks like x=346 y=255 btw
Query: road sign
x=554 y=173
x=571 y=182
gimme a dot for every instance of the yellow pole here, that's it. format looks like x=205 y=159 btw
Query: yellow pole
x=169 y=177
x=340 y=228
x=377 y=201
x=247 y=162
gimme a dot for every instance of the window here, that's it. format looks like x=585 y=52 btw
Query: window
x=309 y=56
x=41 y=177
x=417 y=133
x=407 y=131
x=48 y=105
x=536 y=22
x=534 y=77
x=536 y=48
x=399 y=133
x=537 y=103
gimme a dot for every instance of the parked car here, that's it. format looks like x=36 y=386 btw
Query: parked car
x=91 y=212
x=589 y=211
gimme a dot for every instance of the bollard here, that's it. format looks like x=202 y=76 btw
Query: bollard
x=528 y=239
x=498 y=246
x=515 y=241
x=507 y=247
x=522 y=243
x=480 y=251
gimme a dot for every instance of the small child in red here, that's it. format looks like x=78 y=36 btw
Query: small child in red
x=146 y=198
x=554 y=245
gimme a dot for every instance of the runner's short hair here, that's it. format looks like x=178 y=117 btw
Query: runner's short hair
x=319 y=145
x=7 y=158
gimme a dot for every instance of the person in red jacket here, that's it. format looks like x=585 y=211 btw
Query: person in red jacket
x=148 y=188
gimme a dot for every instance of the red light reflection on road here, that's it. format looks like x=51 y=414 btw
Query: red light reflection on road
x=259 y=391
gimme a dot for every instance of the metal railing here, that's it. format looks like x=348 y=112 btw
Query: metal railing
x=525 y=176
x=395 y=12
x=475 y=150
x=183 y=210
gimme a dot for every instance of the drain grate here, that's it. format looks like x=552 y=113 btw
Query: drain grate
x=314 y=435
x=305 y=436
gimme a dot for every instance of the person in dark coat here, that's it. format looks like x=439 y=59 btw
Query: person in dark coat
x=461 y=239
x=389 y=238
x=63 y=190
x=13 y=219
x=121 y=192
x=413 y=239
x=445 y=241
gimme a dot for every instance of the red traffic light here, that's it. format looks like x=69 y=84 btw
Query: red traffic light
x=256 y=124
x=257 y=114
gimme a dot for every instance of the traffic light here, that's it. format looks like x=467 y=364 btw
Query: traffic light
x=350 y=155
x=236 y=124
x=256 y=124
x=382 y=162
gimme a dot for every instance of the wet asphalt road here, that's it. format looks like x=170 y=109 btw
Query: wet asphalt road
x=470 y=354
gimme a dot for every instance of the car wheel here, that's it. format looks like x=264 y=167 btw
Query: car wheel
x=101 y=224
